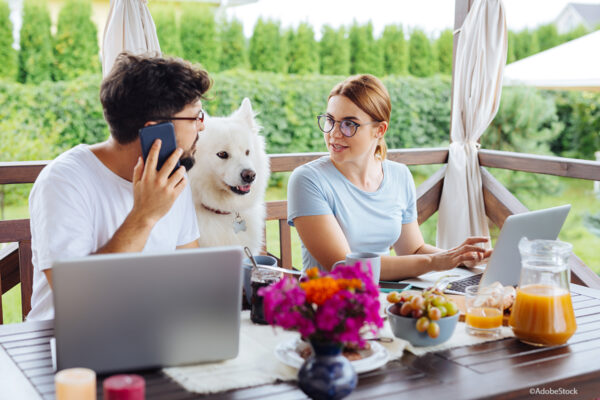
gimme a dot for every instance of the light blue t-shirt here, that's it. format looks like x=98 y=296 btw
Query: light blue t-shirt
x=371 y=221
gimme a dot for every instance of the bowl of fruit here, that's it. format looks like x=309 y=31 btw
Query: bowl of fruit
x=425 y=318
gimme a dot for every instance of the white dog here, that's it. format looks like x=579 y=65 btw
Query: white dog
x=229 y=181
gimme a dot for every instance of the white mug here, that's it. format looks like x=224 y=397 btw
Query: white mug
x=373 y=258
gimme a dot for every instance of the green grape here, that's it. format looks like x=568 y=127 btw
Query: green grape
x=451 y=307
x=438 y=301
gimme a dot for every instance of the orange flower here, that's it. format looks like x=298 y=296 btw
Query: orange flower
x=313 y=273
x=319 y=290
x=349 y=284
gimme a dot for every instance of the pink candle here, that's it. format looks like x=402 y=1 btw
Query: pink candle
x=75 y=384
x=124 y=387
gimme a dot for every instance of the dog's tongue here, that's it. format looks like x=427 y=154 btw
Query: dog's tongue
x=244 y=188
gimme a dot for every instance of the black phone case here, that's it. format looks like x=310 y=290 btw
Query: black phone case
x=166 y=133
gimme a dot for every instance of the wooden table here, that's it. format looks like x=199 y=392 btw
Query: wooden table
x=506 y=369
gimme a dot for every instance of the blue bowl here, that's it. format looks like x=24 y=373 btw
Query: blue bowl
x=405 y=328
x=247 y=264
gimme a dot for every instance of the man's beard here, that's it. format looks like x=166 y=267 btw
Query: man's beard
x=187 y=161
x=187 y=158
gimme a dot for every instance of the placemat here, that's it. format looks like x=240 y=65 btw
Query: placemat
x=256 y=363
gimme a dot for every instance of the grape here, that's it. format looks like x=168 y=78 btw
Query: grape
x=443 y=310
x=417 y=302
x=417 y=313
x=422 y=324
x=433 y=330
x=451 y=308
x=435 y=313
x=438 y=301
x=393 y=297
x=405 y=309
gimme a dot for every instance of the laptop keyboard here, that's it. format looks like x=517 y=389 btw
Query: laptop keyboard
x=461 y=284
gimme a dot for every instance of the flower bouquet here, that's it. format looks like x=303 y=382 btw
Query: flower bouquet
x=330 y=310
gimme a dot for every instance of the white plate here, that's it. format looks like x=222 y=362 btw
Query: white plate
x=288 y=353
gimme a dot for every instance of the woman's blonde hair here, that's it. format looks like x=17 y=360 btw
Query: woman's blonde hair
x=369 y=94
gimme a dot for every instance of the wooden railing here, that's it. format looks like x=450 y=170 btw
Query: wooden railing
x=15 y=260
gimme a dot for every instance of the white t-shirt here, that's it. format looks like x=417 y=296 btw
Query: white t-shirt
x=76 y=205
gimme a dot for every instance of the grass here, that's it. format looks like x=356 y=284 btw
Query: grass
x=579 y=193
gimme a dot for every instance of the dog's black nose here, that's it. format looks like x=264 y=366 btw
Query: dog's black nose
x=248 y=175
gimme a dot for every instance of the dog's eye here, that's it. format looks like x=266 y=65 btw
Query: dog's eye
x=223 y=155
x=247 y=152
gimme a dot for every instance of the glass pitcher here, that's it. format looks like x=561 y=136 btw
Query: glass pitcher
x=543 y=313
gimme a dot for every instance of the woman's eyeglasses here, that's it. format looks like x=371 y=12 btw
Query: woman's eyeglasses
x=199 y=118
x=347 y=127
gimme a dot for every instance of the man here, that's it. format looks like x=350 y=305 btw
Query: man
x=105 y=198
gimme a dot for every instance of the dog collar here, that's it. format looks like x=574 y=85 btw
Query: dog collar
x=215 y=211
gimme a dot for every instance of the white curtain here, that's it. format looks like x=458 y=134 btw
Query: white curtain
x=479 y=65
x=129 y=27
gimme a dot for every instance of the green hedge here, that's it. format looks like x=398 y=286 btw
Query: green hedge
x=287 y=105
x=35 y=56
x=8 y=55
x=76 y=42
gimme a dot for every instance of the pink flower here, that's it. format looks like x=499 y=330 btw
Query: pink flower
x=337 y=319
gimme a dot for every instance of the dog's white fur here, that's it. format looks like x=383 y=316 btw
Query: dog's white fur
x=213 y=177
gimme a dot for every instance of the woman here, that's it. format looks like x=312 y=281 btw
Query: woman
x=356 y=200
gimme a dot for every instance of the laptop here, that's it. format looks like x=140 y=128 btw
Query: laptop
x=128 y=311
x=504 y=265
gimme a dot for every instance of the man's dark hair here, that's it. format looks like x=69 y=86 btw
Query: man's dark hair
x=141 y=88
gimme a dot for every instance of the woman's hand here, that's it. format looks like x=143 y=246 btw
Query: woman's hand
x=467 y=254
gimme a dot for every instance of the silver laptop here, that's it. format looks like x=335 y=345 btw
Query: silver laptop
x=504 y=265
x=130 y=311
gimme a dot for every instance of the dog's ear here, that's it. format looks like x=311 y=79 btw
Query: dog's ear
x=245 y=112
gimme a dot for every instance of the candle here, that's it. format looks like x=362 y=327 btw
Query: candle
x=124 y=387
x=75 y=384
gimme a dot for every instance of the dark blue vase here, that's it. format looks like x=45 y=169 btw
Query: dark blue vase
x=327 y=374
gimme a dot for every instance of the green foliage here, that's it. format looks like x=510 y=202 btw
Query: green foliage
x=335 y=51
x=35 y=57
x=199 y=37
x=421 y=61
x=526 y=44
x=303 y=51
x=267 y=47
x=233 y=53
x=580 y=114
x=526 y=123
x=444 y=46
x=395 y=50
x=510 y=56
x=76 y=41
x=592 y=223
x=166 y=29
x=366 y=56
x=8 y=55
x=574 y=34
x=68 y=111
x=548 y=36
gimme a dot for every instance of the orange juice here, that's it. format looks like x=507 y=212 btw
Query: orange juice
x=543 y=315
x=484 y=318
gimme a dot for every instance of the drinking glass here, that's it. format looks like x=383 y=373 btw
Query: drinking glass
x=484 y=310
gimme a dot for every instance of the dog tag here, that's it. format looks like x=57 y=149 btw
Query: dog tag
x=239 y=224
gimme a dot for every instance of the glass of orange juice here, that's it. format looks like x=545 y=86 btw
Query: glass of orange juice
x=484 y=311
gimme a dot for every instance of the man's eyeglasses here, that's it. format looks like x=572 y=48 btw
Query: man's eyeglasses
x=199 y=118
x=347 y=127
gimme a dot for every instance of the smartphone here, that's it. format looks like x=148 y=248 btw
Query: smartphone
x=166 y=133
x=385 y=286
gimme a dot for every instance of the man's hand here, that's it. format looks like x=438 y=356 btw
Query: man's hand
x=468 y=254
x=154 y=192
